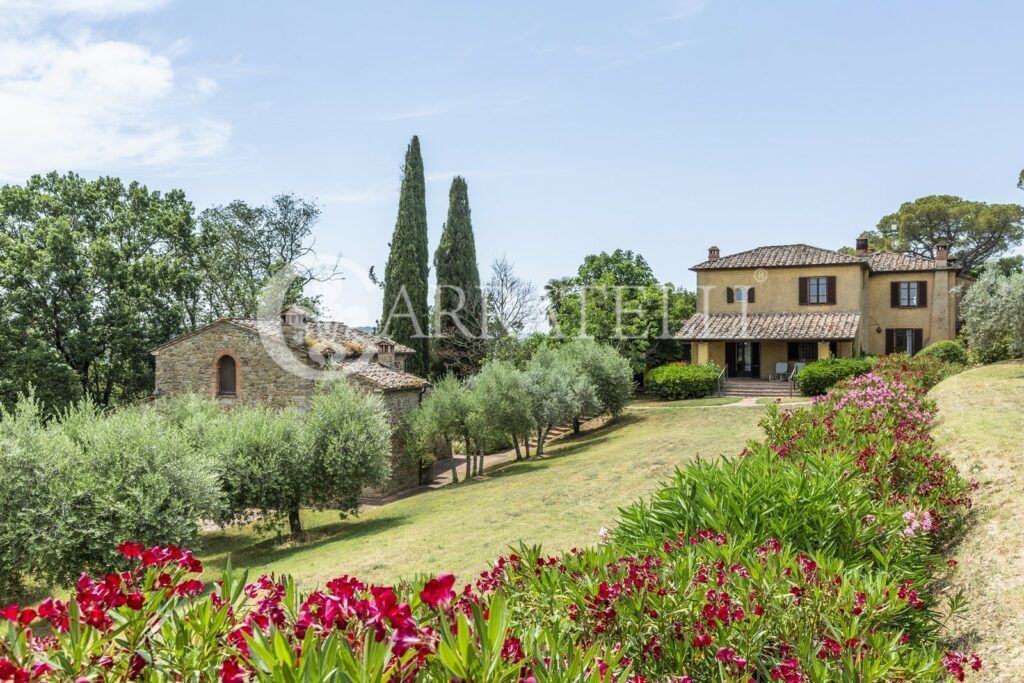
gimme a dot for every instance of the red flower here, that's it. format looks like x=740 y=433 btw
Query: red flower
x=135 y=600
x=438 y=591
x=130 y=550
x=232 y=672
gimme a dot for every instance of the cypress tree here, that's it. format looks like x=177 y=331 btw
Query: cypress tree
x=406 y=314
x=458 y=348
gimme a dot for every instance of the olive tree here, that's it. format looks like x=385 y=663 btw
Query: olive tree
x=278 y=462
x=558 y=393
x=442 y=415
x=607 y=370
x=504 y=401
x=75 y=487
x=993 y=311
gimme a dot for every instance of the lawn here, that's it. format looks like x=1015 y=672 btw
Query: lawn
x=981 y=420
x=559 y=501
x=785 y=400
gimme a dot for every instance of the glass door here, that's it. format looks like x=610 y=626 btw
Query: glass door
x=743 y=359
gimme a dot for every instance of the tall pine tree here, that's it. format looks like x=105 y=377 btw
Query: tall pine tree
x=459 y=346
x=406 y=315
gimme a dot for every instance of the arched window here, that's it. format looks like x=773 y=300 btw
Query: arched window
x=226 y=376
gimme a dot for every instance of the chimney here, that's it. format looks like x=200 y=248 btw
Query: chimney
x=941 y=253
x=862 y=246
x=293 y=323
x=713 y=253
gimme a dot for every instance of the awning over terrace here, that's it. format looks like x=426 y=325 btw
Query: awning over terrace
x=770 y=326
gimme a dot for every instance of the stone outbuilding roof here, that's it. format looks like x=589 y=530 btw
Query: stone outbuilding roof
x=383 y=377
x=346 y=345
x=770 y=326
x=795 y=255
x=780 y=256
x=329 y=332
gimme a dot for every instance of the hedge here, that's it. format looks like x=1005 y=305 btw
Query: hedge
x=946 y=350
x=821 y=375
x=674 y=381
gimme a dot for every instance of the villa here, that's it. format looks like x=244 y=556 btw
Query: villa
x=761 y=312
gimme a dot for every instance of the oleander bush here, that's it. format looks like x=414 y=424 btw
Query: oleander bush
x=818 y=377
x=674 y=381
x=922 y=372
x=813 y=556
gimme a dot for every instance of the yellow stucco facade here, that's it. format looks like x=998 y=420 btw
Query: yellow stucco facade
x=858 y=288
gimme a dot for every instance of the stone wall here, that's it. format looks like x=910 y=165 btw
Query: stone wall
x=405 y=471
x=190 y=366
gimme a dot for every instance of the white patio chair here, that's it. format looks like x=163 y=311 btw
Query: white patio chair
x=781 y=371
x=797 y=367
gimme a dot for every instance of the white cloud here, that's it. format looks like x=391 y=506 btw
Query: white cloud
x=207 y=86
x=84 y=102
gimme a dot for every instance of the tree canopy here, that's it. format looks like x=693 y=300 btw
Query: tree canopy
x=616 y=298
x=241 y=246
x=92 y=275
x=280 y=461
x=460 y=324
x=95 y=273
x=405 y=315
x=993 y=312
x=975 y=231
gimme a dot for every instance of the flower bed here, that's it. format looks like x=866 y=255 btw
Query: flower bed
x=811 y=557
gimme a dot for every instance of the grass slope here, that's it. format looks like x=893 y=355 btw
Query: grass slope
x=560 y=501
x=981 y=425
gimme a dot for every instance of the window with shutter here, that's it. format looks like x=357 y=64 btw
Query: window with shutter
x=908 y=340
x=750 y=295
x=818 y=290
x=830 y=291
x=922 y=293
x=803 y=290
x=729 y=297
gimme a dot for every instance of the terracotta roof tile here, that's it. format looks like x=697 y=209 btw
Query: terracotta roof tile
x=891 y=261
x=325 y=331
x=779 y=256
x=382 y=376
x=770 y=326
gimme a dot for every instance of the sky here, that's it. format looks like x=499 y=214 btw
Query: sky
x=662 y=127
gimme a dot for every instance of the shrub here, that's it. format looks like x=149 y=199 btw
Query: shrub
x=827 y=372
x=946 y=350
x=673 y=382
x=821 y=375
x=74 y=486
x=923 y=372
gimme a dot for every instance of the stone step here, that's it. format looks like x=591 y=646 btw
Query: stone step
x=758 y=389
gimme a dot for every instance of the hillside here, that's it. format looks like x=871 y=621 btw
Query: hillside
x=981 y=422
x=559 y=501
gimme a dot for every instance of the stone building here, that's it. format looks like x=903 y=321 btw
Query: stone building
x=277 y=362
